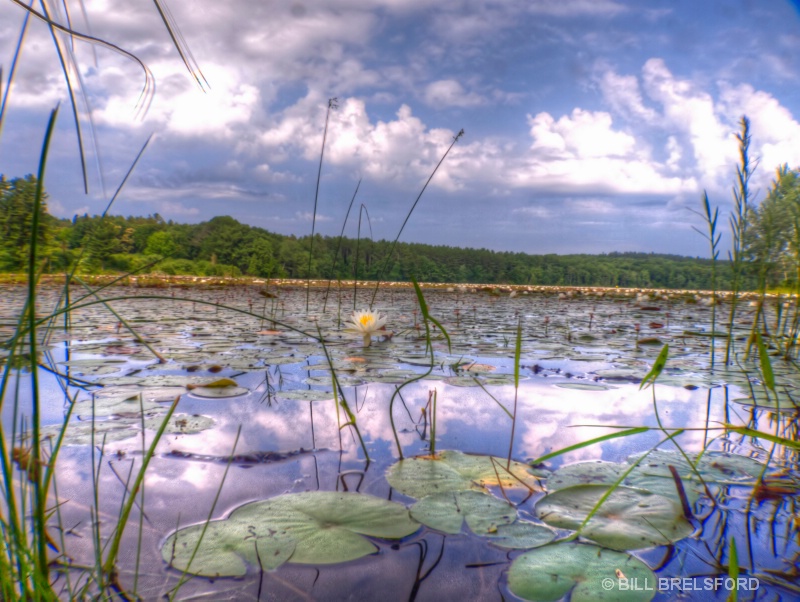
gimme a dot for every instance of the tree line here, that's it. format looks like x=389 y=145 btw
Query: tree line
x=224 y=247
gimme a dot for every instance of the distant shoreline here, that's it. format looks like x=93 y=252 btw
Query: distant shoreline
x=181 y=281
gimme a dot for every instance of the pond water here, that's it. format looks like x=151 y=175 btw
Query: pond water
x=276 y=430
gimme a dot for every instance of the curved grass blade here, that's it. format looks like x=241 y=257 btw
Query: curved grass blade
x=410 y=211
x=658 y=367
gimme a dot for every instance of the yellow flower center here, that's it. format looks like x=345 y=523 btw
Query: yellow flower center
x=366 y=320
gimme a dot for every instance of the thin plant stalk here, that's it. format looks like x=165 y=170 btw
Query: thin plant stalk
x=331 y=105
x=40 y=499
x=739 y=222
x=358 y=241
x=339 y=246
x=517 y=354
x=388 y=259
x=713 y=238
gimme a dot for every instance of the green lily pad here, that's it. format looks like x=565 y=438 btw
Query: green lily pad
x=585 y=386
x=280 y=360
x=781 y=403
x=521 y=535
x=621 y=374
x=120 y=380
x=80 y=433
x=345 y=380
x=584 y=571
x=627 y=520
x=111 y=406
x=700 y=333
x=317 y=527
x=714 y=467
x=181 y=423
x=218 y=392
x=608 y=473
x=90 y=363
x=455 y=471
x=305 y=395
x=448 y=511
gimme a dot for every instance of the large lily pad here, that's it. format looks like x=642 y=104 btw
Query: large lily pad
x=608 y=473
x=80 y=433
x=447 y=512
x=115 y=406
x=588 y=573
x=452 y=471
x=628 y=519
x=317 y=527
x=521 y=535
x=714 y=467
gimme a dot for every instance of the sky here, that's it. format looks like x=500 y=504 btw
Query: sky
x=590 y=126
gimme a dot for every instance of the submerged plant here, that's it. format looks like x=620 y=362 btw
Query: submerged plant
x=366 y=323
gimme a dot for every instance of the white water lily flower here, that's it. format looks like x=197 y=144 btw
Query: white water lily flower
x=366 y=323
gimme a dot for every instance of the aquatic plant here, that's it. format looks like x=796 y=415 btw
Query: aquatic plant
x=367 y=323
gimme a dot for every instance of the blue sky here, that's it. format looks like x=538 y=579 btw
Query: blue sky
x=591 y=126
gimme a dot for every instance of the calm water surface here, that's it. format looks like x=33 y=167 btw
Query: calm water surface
x=603 y=344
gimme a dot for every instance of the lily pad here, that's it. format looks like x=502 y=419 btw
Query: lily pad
x=111 y=406
x=714 y=467
x=305 y=395
x=628 y=518
x=584 y=571
x=317 y=527
x=773 y=404
x=447 y=512
x=181 y=423
x=608 y=473
x=521 y=535
x=218 y=392
x=585 y=386
x=345 y=380
x=455 y=471
x=80 y=433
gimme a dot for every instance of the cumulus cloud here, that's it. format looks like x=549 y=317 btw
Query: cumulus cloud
x=450 y=93
x=701 y=125
x=584 y=152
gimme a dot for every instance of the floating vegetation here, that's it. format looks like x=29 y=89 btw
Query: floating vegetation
x=316 y=527
x=453 y=471
x=302 y=401
x=583 y=571
x=622 y=518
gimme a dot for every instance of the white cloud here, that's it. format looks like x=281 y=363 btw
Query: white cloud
x=692 y=112
x=583 y=152
x=775 y=131
x=701 y=128
x=564 y=8
x=307 y=216
x=402 y=149
x=450 y=93
x=624 y=95
x=583 y=134
x=534 y=211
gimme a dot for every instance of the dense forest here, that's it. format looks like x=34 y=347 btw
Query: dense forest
x=225 y=247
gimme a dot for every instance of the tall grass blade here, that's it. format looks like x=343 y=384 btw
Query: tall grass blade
x=331 y=105
x=658 y=367
x=389 y=255
x=766 y=365
x=40 y=499
x=12 y=70
x=180 y=44
x=339 y=246
x=733 y=569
